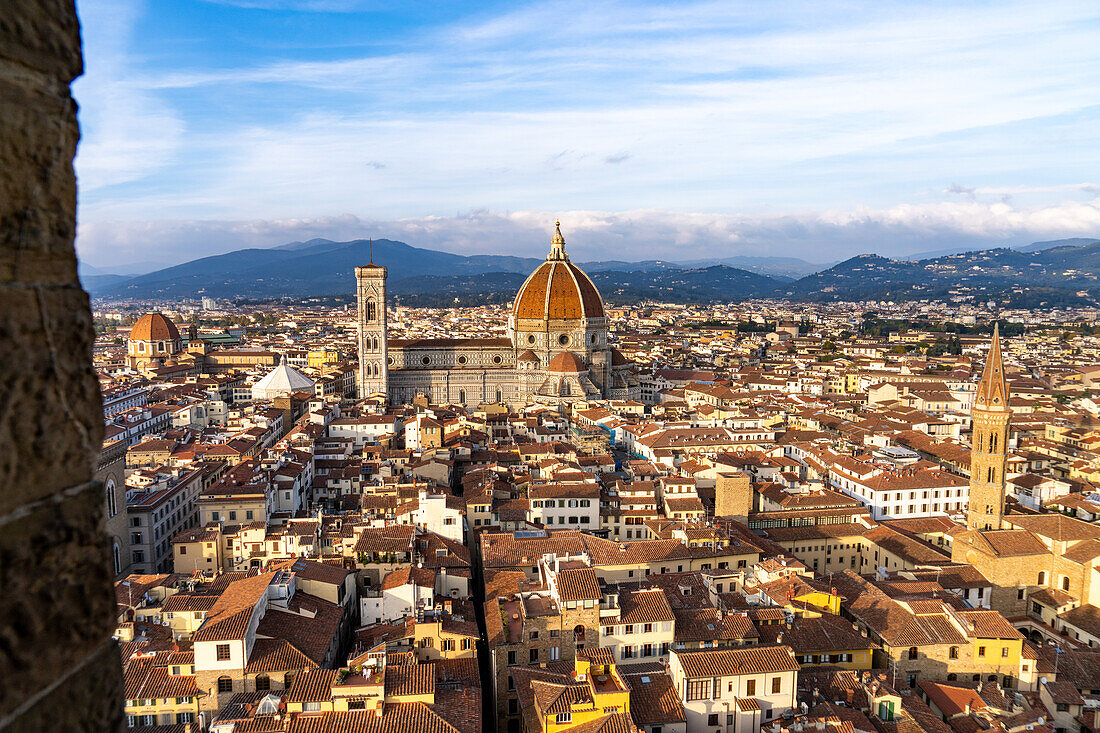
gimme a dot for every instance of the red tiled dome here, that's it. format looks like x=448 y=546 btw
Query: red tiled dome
x=566 y=362
x=154 y=327
x=558 y=290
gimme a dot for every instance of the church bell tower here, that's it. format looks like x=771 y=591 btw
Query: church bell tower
x=370 y=283
x=989 y=443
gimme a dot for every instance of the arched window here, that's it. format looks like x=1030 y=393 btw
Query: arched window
x=1042 y=577
x=116 y=556
x=263 y=683
x=978 y=442
x=578 y=633
x=112 y=509
x=372 y=309
x=225 y=684
x=992 y=442
x=1065 y=582
x=462 y=396
x=912 y=652
x=500 y=395
x=951 y=677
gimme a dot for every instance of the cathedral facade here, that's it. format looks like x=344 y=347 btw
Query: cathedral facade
x=555 y=350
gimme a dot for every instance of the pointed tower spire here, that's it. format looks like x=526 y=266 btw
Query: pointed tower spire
x=993 y=389
x=989 y=444
x=557 y=244
x=370 y=245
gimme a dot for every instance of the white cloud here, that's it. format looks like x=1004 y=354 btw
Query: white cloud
x=639 y=119
x=127 y=132
x=631 y=235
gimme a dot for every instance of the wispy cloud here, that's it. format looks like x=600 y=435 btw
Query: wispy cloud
x=872 y=119
x=638 y=234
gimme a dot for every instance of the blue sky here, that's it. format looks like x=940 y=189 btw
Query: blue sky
x=678 y=130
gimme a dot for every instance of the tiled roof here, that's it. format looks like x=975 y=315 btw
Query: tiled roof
x=408 y=575
x=553 y=697
x=395 y=538
x=827 y=634
x=614 y=723
x=896 y=624
x=1013 y=542
x=745 y=660
x=989 y=625
x=644 y=606
x=410 y=679
x=1057 y=527
x=653 y=699
x=704 y=624
x=578 y=584
x=310 y=634
x=188 y=602
x=276 y=655
x=231 y=614
x=597 y=655
x=414 y=717
x=314 y=685
x=148 y=677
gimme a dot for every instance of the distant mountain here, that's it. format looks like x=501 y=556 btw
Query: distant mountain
x=317 y=267
x=1063 y=273
x=321 y=267
x=1059 y=275
x=1040 y=246
x=1033 y=247
x=718 y=283
x=790 y=268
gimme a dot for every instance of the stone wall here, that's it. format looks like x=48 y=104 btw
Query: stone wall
x=59 y=667
x=733 y=496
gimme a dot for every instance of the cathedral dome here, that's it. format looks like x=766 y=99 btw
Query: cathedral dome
x=154 y=327
x=566 y=362
x=557 y=290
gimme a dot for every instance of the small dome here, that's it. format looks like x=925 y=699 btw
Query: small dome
x=529 y=356
x=617 y=358
x=558 y=290
x=154 y=327
x=566 y=362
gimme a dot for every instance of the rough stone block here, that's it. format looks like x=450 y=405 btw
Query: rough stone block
x=51 y=419
x=43 y=35
x=38 y=136
x=58 y=603
x=90 y=700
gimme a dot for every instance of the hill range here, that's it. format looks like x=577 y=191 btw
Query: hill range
x=1063 y=272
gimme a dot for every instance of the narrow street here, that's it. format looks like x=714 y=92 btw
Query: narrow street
x=488 y=705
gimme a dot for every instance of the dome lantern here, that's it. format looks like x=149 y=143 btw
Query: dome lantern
x=557 y=290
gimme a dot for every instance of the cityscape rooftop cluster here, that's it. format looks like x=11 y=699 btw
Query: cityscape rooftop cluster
x=567 y=517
